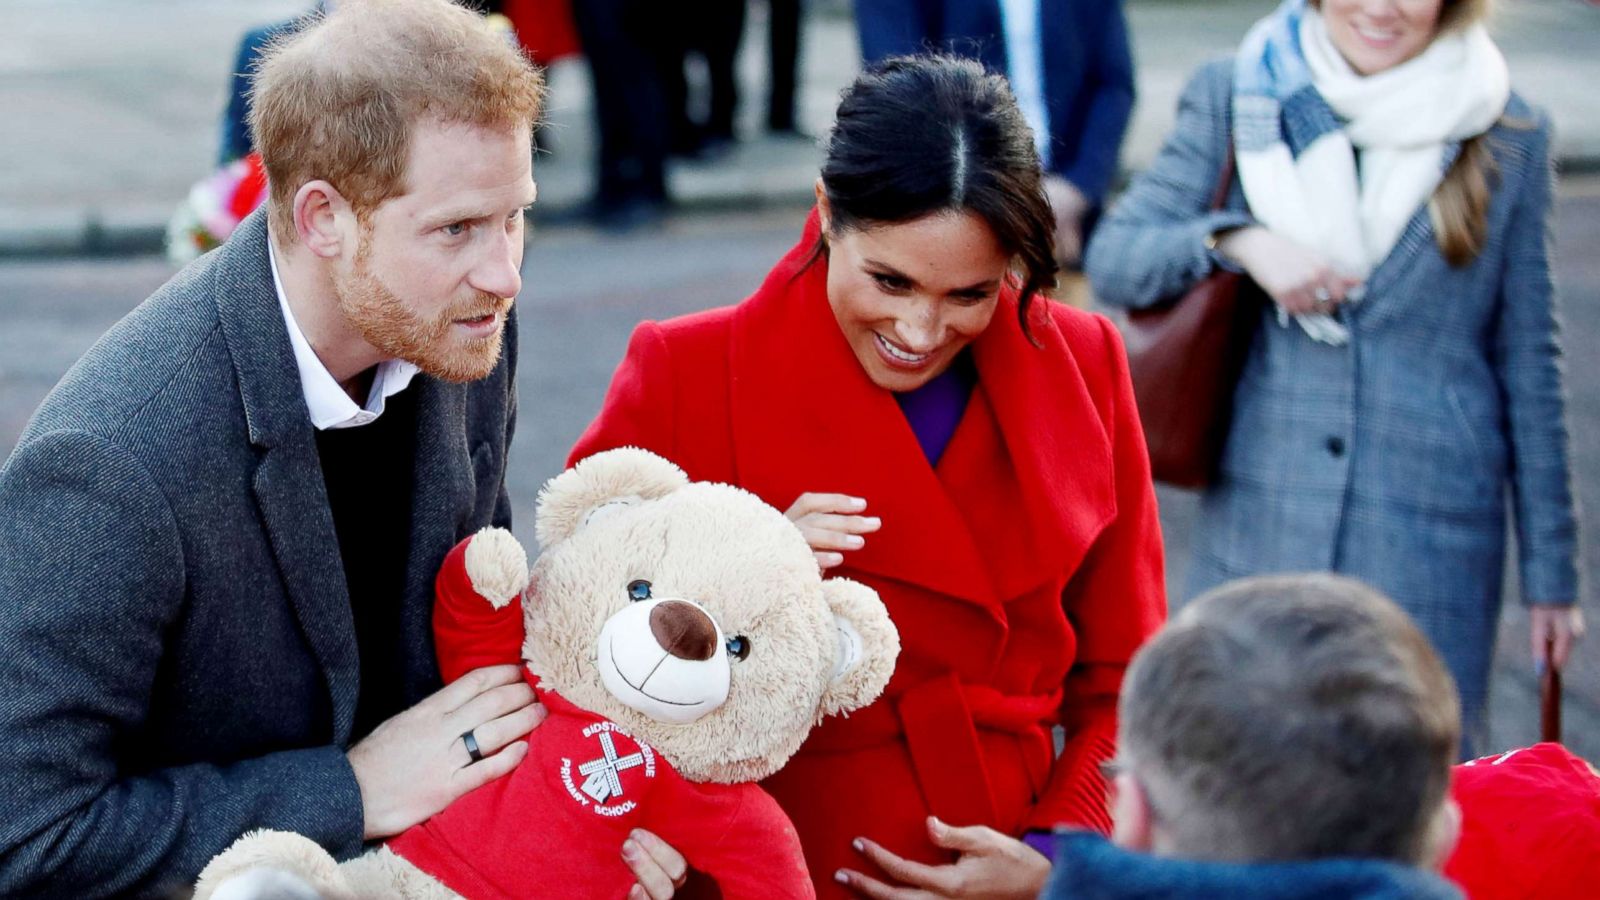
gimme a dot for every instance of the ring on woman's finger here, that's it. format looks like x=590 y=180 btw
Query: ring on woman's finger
x=1323 y=298
x=471 y=744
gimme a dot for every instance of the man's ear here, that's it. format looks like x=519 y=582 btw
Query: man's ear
x=601 y=485
x=1443 y=833
x=321 y=219
x=867 y=646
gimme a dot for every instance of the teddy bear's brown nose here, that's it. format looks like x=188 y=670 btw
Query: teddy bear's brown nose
x=683 y=630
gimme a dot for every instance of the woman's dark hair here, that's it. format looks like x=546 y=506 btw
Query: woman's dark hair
x=922 y=135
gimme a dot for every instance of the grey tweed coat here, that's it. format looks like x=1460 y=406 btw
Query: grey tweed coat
x=1388 y=459
x=177 y=650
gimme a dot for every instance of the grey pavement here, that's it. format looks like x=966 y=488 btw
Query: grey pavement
x=110 y=109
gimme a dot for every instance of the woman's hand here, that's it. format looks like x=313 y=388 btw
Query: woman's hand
x=1561 y=626
x=832 y=524
x=990 y=865
x=660 y=869
x=1297 y=279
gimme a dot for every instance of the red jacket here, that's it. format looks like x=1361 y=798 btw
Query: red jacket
x=1022 y=572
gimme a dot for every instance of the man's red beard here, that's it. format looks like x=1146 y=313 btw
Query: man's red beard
x=431 y=344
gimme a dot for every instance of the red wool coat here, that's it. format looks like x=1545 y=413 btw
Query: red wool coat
x=1022 y=572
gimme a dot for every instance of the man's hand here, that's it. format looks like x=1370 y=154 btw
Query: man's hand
x=832 y=524
x=990 y=865
x=413 y=765
x=1069 y=206
x=660 y=869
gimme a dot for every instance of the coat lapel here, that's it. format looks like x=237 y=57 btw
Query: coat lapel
x=807 y=418
x=1031 y=465
x=441 y=508
x=1416 y=238
x=288 y=478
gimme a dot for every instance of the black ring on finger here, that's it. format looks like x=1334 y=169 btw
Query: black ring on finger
x=472 y=746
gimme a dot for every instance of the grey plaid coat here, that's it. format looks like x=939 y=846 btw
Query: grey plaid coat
x=1388 y=459
x=178 y=659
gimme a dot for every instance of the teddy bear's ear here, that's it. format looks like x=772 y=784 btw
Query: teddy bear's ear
x=599 y=484
x=868 y=645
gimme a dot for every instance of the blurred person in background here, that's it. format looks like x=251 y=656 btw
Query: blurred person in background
x=783 y=65
x=633 y=122
x=968 y=449
x=1069 y=65
x=713 y=34
x=1393 y=201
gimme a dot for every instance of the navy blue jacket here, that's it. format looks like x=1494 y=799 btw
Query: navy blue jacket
x=1088 y=68
x=1088 y=867
x=236 y=139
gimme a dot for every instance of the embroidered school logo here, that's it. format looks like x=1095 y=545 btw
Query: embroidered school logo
x=603 y=781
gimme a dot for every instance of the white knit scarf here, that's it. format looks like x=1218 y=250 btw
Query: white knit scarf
x=1406 y=121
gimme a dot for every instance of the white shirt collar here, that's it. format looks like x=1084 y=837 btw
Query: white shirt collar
x=329 y=405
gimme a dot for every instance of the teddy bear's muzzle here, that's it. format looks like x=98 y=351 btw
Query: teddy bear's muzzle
x=683 y=630
x=665 y=658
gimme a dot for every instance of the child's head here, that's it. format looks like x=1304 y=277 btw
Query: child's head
x=1284 y=718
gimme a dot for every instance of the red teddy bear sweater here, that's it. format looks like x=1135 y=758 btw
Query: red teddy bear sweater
x=554 y=827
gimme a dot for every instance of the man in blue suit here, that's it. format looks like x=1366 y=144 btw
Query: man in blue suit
x=1068 y=62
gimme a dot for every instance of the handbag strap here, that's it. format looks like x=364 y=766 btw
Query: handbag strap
x=1225 y=182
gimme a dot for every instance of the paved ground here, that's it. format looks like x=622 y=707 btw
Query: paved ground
x=111 y=107
x=577 y=314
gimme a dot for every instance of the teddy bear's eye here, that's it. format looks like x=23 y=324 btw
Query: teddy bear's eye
x=638 y=590
x=738 y=646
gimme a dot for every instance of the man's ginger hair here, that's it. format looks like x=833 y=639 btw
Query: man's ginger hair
x=339 y=100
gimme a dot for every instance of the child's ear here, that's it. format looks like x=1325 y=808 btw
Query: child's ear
x=1132 y=821
x=1443 y=833
x=600 y=485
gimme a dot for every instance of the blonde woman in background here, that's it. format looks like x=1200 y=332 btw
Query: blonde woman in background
x=1393 y=200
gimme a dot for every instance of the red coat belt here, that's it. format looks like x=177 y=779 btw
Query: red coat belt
x=939 y=720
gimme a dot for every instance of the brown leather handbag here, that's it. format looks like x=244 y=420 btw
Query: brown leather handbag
x=1185 y=357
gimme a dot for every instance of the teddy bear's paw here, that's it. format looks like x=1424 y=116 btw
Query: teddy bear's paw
x=497 y=565
x=279 y=865
x=385 y=875
x=266 y=884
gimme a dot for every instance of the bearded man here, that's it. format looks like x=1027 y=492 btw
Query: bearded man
x=220 y=530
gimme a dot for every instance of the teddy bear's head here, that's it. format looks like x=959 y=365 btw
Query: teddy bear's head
x=693 y=615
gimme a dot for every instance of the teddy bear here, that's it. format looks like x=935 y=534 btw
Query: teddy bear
x=683 y=642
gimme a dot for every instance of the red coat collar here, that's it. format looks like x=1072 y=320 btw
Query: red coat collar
x=807 y=418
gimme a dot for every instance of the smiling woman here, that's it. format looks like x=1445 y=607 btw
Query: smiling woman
x=1393 y=198
x=964 y=446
